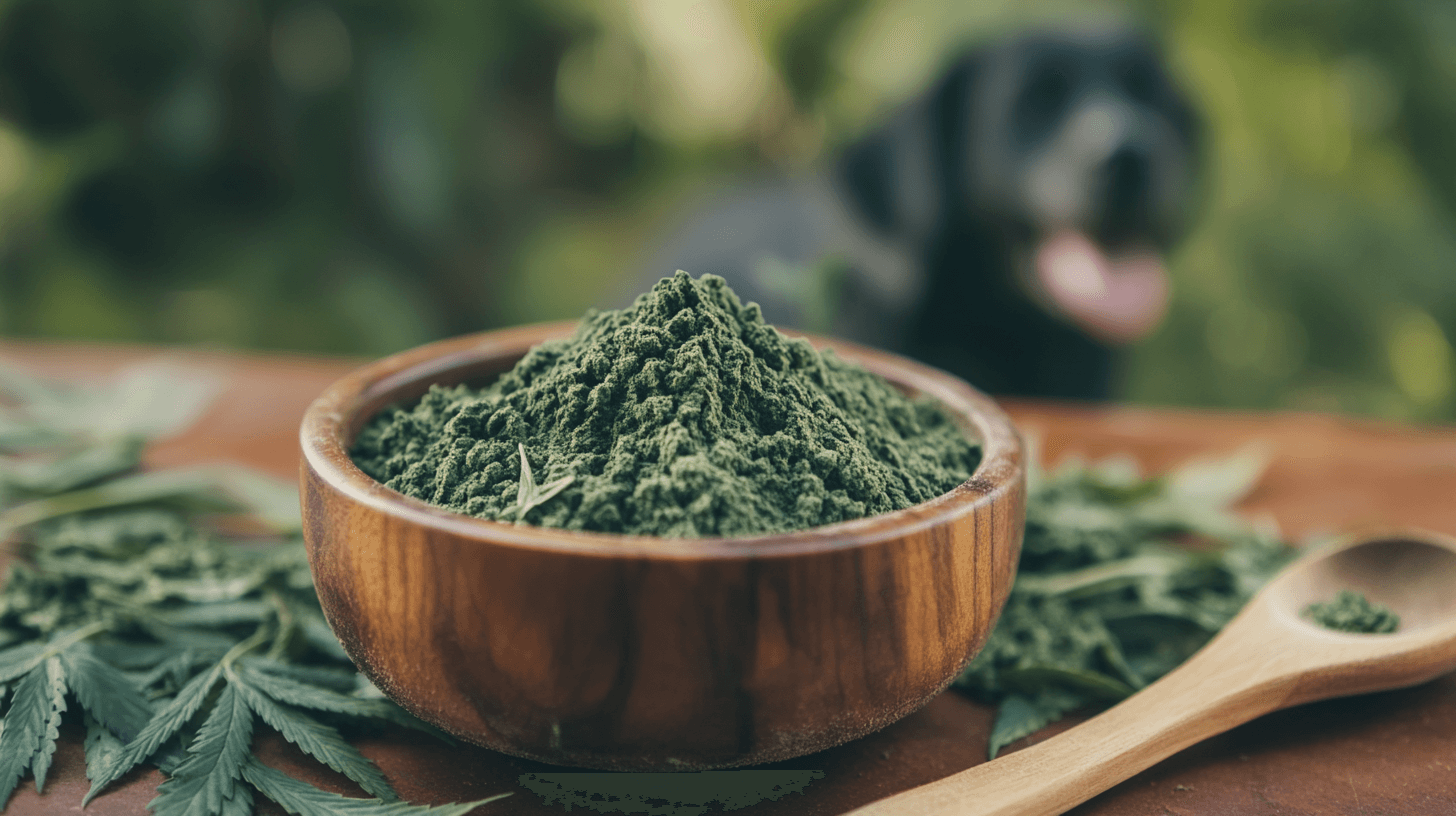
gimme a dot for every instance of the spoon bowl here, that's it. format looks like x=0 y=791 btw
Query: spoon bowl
x=1415 y=578
x=1269 y=657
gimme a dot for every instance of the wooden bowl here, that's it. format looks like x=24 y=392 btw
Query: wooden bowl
x=642 y=653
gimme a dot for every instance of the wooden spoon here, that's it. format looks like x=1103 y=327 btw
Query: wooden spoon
x=1267 y=658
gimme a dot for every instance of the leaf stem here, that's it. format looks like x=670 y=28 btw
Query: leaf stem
x=286 y=626
x=74 y=637
x=252 y=642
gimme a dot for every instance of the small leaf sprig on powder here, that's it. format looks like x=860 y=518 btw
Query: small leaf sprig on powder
x=127 y=605
x=1122 y=577
x=529 y=495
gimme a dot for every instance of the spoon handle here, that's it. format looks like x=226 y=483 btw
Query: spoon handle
x=1224 y=685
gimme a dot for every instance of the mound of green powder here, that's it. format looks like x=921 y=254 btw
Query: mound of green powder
x=1351 y=611
x=682 y=415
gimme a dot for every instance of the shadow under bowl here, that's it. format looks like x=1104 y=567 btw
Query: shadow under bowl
x=647 y=654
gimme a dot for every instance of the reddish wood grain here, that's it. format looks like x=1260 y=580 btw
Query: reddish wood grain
x=1393 y=752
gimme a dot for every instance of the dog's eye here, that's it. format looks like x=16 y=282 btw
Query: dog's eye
x=1043 y=100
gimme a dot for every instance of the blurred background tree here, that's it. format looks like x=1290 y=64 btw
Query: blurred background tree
x=363 y=175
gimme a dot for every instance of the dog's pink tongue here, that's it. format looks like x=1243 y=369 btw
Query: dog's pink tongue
x=1116 y=299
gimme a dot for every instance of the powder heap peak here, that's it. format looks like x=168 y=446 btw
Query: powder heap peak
x=682 y=415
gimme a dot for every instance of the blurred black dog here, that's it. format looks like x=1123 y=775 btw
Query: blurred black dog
x=1006 y=226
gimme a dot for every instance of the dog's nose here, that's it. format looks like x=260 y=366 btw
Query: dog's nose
x=1127 y=189
x=1127 y=177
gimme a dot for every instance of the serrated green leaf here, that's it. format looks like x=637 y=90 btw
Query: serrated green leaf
x=207 y=588
x=74 y=469
x=366 y=690
x=1108 y=576
x=170 y=755
x=239 y=803
x=55 y=674
x=18 y=660
x=213 y=615
x=317 y=633
x=105 y=693
x=163 y=724
x=210 y=775
x=1083 y=681
x=1021 y=716
x=25 y=728
x=1106 y=597
x=324 y=676
x=289 y=691
x=175 y=670
x=102 y=748
x=192 y=488
x=303 y=799
x=132 y=551
x=315 y=739
x=202 y=641
x=270 y=500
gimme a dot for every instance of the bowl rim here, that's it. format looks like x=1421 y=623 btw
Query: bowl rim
x=328 y=418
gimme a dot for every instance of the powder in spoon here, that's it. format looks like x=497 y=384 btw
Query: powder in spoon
x=682 y=415
x=1351 y=611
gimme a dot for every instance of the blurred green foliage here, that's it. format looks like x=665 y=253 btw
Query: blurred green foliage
x=364 y=175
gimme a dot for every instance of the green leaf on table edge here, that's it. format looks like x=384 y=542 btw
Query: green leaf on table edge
x=102 y=748
x=210 y=775
x=18 y=660
x=55 y=674
x=166 y=722
x=72 y=469
x=324 y=676
x=303 y=799
x=305 y=695
x=1106 y=597
x=105 y=693
x=28 y=739
x=314 y=738
x=1021 y=716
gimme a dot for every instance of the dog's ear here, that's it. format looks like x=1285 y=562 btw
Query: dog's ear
x=902 y=177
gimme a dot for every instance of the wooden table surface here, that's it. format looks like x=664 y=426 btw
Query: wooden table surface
x=1389 y=753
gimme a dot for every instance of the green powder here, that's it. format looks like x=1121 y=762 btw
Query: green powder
x=682 y=415
x=1352 y=612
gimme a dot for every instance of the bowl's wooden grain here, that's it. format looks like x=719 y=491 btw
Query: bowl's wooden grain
x=641 y=653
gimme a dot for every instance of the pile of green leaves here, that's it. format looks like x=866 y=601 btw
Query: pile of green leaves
x=173 y=611
x=1122 y=578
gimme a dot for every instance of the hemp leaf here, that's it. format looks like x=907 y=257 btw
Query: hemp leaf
x=1105 y=599
x=207 y=781
x=46 y=675
x=178 y=637
x=529 y=495
x=29 y=738
x=306 y=800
